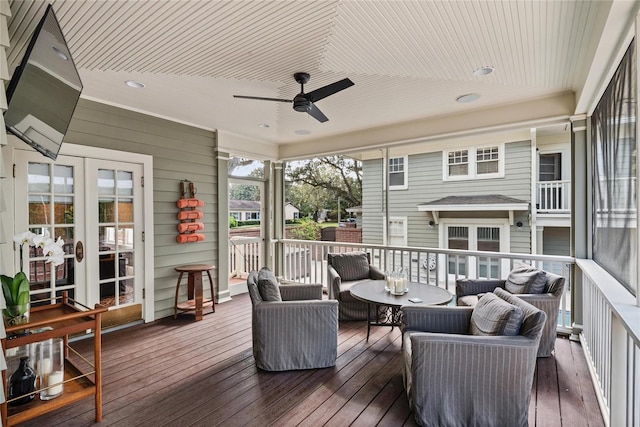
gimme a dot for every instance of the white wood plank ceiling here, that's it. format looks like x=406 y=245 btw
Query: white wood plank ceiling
x=408 y=59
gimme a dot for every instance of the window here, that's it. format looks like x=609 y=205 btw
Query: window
x=235 y=215
x=398 y=173
x=550 y=167
x=487 y=160
x=459 y=163
x=253 y=215
x=474 y=163
x=398 y=231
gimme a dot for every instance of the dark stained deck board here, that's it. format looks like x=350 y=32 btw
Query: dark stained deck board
x=592 y=413
x=181 y=372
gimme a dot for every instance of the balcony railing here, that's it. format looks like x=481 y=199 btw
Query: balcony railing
x=611 y=342
x=305 y=261
x=553 y=196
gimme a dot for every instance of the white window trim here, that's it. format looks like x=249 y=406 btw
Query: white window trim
x=405 y=186
x=472 y=155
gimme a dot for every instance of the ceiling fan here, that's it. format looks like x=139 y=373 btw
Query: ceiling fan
x=304 y=102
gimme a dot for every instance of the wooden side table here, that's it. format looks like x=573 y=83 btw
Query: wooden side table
x=195 y=301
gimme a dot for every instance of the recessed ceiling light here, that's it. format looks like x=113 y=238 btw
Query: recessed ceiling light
x=468 y=97
x=263 y=125
x=60 y=53
x=134 y=84
x=302 y=132
x=483 y=71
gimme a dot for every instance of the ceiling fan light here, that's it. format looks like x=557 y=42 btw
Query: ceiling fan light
x=483 y=71
x=469 y=97
x=134 y=84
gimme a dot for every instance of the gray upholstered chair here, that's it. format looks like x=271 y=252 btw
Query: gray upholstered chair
x=292 y=327
x=345 y=270
x=538 y=287
x=471 y=366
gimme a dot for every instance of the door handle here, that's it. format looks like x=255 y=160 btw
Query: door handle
x=79 y=251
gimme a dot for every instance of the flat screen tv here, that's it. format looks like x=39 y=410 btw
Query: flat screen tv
x=44 y=89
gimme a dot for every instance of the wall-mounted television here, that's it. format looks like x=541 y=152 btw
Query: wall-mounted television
x=44 y=89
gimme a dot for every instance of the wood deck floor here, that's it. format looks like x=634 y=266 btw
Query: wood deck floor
x=185 y=373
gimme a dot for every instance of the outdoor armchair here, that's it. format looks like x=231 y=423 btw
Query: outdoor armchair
x=538 y=287
x=292 y=327
x=345 y=270
x=466 y=369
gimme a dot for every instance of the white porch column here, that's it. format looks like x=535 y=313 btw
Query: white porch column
x=277 y=181
x=223 y=226
x=580 y=208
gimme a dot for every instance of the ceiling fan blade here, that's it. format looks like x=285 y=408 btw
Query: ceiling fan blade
x=317 y=114
x=327 y=90
x=263 y=99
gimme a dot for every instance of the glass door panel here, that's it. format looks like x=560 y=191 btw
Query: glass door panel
x=488 y=240
x=458 y=238
x=115 y=237
x=52 y=192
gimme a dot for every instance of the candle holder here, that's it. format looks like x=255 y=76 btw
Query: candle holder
x=50 y=368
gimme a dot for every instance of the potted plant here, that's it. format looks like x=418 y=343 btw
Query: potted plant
x=16 y=295
x=16 y=289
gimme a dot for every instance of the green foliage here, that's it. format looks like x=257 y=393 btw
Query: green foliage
x=16 y=294
x=233 y=222
x=317 y=184
x=307 y=230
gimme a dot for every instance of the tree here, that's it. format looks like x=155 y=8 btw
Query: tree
x=246 y=191
x=317 y=184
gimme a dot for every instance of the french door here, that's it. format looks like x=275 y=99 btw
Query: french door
x=96 y=207
x=477 y=238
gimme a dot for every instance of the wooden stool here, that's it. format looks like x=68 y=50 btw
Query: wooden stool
x=194 y=291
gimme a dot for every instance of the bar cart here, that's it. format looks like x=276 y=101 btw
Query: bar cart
x=82 y=378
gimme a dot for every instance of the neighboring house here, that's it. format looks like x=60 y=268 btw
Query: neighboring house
x=244 y=210
x=508 y=195
x=291 y=212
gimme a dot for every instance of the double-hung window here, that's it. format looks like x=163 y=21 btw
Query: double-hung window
x=474 y=163
x=398 y=173
x=458 y=163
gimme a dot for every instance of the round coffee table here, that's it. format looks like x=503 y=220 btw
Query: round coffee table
x=373 y=292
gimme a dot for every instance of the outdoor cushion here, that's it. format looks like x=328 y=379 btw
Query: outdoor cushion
x=494 y=316
x=526 y=280
x=268 y=285
x=351 y=266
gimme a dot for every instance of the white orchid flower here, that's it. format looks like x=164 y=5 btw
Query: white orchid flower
x=60 y=242
x=54 y=253
x=42 y=240
x=26 y=237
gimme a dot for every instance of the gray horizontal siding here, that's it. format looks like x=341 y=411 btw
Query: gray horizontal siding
x=426 y=185
x=179 y=152
x=556 y=241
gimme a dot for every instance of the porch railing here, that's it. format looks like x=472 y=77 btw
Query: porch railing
x=611 y=342
x=305 y=261
x=244 y=255
x=553 y=196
